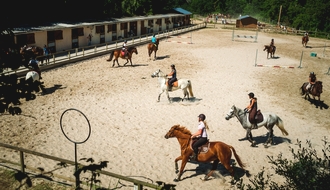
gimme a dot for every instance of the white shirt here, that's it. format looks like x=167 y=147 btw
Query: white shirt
x=202 y=127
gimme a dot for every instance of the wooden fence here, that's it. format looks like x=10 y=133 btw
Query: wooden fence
x=138 y=184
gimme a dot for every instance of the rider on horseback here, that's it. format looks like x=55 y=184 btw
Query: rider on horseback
x=312 y=80
x=154 y=41
x=124 y=49
x=306 y=35
x=173 y=79
x=34 y=66
x=272 y=44
x=252 y=109
x=200 y=134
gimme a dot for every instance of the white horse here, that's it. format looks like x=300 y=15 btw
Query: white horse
x=32 y=78
x=270 y=119
x=180 y=84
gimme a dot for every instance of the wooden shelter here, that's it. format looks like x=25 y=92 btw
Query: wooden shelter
x=246 y=22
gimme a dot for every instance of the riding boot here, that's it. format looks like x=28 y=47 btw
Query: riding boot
x=254 y=126
x=193 y=157
x=169 y=88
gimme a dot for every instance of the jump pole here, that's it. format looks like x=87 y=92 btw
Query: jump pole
x=302 y=53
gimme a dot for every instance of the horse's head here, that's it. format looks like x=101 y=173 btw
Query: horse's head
x=173 y=132
x=158 y=73
x=266 y=47
x=133 y=50
x=231 y=112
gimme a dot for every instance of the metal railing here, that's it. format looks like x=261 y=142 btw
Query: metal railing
x=81 y=53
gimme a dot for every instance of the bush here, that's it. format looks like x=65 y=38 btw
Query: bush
x=306 y=171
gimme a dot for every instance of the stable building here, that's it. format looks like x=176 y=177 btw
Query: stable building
x=246 y=22
x=69 y=35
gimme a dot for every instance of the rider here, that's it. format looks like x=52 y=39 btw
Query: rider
x=124 y=49
x=201 y=135
x=272 y=44
x=312 y=80
x=154 y=40
x=306 y=35
x=35 y=67
x=252 y=109
x=173 y=79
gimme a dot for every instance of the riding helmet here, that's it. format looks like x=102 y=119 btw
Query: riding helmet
x=202 y=117
x=173 y=65
x=312 y=73
x=251 y=95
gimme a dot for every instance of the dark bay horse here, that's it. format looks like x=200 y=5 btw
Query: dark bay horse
x=153 y=48
x=118 y=53
x=32 y=51
x=304 y=40
x=217 y=152
x=315 y=90
x=270 y=50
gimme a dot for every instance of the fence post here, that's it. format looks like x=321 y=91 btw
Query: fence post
x=255 y=61
x=21 y=155
x=69 y=54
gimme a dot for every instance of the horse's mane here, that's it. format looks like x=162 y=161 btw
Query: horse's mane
x=130 y=48
x=182 y=129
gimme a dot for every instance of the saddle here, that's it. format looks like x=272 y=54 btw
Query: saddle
x=258 y=118
x=202 y=149
x=175 y=84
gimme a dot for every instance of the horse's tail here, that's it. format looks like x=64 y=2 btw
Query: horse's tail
x=111 y=56
x=238 y=159
x=190 y=89
x=280 y=125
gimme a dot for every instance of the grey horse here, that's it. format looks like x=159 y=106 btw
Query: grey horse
x=270 y=119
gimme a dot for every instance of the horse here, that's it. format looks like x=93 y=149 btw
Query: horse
x=153 y=48
x=269 y=120
x=270 y=50
x=217 y=152
x=32 y=51
x=304 y=41
x=32 y=79
x=183 y=84
x=315 y=90
x=118 y=53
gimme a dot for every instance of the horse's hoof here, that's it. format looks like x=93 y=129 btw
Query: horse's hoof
x=176 y=180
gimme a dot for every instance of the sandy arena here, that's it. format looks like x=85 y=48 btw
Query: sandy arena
x=128 y=124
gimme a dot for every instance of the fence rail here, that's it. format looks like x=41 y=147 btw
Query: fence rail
x=138 y=184
x=77 y=54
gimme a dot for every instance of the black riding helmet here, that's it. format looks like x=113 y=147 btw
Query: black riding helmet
x=173 y=65
x=251 y=95
x=202 y=117
x=312 y=73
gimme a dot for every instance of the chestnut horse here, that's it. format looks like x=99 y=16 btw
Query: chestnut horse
x=315 y=90
x=270 y=50
x=304 y=40
x=217 y=152
x=153 y=48
x=118 y=53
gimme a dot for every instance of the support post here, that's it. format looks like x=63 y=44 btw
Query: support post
x=21 y=155
x=255 y=61
x=232 y=38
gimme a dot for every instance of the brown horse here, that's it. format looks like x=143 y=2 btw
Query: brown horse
x=118 y=53
x=32 y=51
x=270 y=50
x=217 y=152
x=304 y=40
x=152 y=47
x=315 y=90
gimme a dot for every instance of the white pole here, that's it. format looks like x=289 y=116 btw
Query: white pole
x=302 y=53
x=255 y=61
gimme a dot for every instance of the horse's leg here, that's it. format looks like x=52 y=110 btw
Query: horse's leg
x=161 y=92
x=185 y=92
x=270 y=135
x=249 y=137
x=183 y=165
x=176 y=164
x=155 y=55
x=214 y=167
x=168 y=96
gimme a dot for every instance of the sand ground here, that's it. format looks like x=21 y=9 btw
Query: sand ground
x=128 y=124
